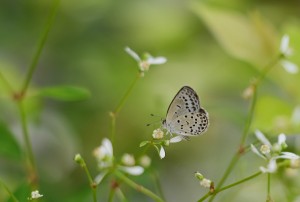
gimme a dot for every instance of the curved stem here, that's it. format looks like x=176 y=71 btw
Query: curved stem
x=229 y=186
x=137 y=187
x=93 y=185
x=6 y=83
x=40 y=47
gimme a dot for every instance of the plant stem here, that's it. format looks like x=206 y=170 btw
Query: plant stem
x=137 y=187
x=111 y=194
x=40 y=47
x=269 y=187
x=229 y=186
x=121 y=195
x=93 y=185
x=158 y=184
x=8 y=191
x=114 y=114
x=32 y=166
x=6 y=83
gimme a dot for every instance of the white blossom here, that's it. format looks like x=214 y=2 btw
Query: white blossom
x=286 y=51
x=145 y=161
x=158 y=134
x=35 y=195
x=128 y=159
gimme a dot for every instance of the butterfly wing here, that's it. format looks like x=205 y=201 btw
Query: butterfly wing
x=185 y=101
x=190 y=124
x=185 y=116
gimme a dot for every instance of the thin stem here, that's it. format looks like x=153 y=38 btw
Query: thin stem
x=93 y=185
x=111 y=194
x=40 y=47
x=8 y=191
x=6 y=83
x=32 y=166
x=124 y=98
x=137 y=187
x=114 y=114
x=121 y=195
x=269 y=187
x=230 y=186
x=158 y=184
x=248 y=121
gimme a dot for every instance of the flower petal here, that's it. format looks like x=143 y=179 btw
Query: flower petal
x=133 y=54
x=284 y=45
x=176 y=139
x=255 y=151
x=271 y=167
x=156 y=60
x=287 y=155
x=132 y=170
x=108 y=146
x=162 y=152
x=98 y=179
x=261 y=137
x=289 y=67
x=281 y=139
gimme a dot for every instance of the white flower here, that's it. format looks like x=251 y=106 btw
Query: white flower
x=271 y=152
x=162 y=152
x=144 y=65
x=205 y=183
x=132 y=170
x=128 y=159
x=284 y=46
x=145 y=161
x=158 y=134
x=176 y=139
x=286 y=51
x=35 y=195
x=104 y=154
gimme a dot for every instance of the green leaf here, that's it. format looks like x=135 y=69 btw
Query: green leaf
x=8 y=144
x=144 y=143
x=247 y=38
x=65 y=93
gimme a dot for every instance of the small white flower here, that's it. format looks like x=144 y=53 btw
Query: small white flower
x=105 y=150
x=158 y=134
x=132 y=170
x=176 y=139
x=286 y=51
x=149 y=60
x=35 y=195
x=272 y=152
x=128 y=159
x=205 y=183
x=162 y=152
x=145 y=161
x=284 y=46
x=290 y=67
x=265 y=149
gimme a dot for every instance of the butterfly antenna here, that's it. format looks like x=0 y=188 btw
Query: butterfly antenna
x=149 y=124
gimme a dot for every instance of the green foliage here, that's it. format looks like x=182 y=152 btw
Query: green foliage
x=64 y=93
x=9 y=147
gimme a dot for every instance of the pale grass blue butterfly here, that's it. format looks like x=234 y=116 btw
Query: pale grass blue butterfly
x=185 y=117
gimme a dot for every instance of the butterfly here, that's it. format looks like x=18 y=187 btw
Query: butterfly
x=185 y=117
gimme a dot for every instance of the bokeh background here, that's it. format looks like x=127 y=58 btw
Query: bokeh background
x=216 y=47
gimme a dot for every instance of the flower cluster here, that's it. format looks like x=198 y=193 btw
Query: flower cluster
x=145 y=63
x=272 y=152
x=204 y=182
x=160 y=140
x=105 y=159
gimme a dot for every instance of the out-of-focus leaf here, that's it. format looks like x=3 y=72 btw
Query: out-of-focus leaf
x=65 y=93
x=247 y=38
x=8 y=144
x=22 y=192
x=273 y=114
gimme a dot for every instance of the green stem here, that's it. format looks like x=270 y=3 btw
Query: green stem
x=269 y=187
x=40 y=47
x=93 y=185
x=229 y=186
x=248 y=121
x=119 y=107
x=111 y=194
x=137 y=187
x=158 y=184
x=6 y=83
x=32 y=166
x=8 y=191
x=121 y=195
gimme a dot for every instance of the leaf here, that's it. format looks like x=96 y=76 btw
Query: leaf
x=9 y=147
x=247 y=38
x=144 y=143
x=65 y=93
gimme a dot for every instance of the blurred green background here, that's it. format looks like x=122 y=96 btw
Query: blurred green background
x=214 y=46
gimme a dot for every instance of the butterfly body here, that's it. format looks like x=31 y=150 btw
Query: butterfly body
x=185 y=116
